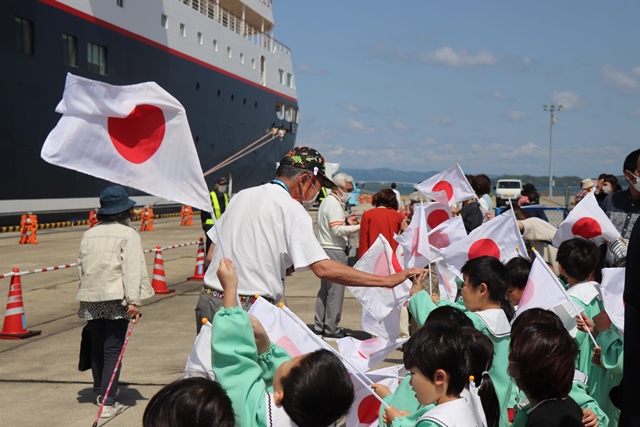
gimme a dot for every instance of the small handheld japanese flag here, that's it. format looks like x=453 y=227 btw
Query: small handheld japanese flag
x=413 y=240
x=612 y=290
x=199 y=361
x=499 y=238
x=382 y=261
x=365 y=355
x=588 y=221
x=137 y=136
x=452 y=181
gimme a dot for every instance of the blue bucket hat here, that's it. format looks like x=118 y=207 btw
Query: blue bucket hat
x=114 y=200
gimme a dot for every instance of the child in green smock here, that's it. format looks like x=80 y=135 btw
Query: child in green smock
x=577 y=260
x=312 y=389
x=484 y=301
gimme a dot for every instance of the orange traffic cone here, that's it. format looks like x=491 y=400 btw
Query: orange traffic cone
x=198 y=275
x=159 y=282
x=15 y=325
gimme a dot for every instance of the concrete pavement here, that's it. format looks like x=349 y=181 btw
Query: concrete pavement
x=39 y=380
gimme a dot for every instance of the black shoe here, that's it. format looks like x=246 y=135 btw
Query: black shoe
x=340 y=334
x=314 y=330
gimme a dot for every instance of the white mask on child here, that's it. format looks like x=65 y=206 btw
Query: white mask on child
x=606 y=189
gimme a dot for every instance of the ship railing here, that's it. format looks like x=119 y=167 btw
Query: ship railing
x=236 y=24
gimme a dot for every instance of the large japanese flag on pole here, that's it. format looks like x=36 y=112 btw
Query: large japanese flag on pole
x=586 y=220
x=452 y=181
x=137 y=136
x=382 y=261
x=499 y=238
x=612 y=289
x=365 y=409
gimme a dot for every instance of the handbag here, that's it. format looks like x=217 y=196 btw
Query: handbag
x=85 y=349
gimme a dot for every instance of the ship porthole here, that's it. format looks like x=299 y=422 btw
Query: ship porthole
x=232 y=97
x=197 y=86
x=218 y=92
x=244 y=101
x=255 y=105
x=197 y=138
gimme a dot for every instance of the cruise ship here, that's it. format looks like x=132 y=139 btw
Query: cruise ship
x=219 y=58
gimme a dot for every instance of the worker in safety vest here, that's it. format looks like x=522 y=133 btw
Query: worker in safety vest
x=220 y=201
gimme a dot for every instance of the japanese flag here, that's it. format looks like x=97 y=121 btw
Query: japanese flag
x=137 y=136
x=448 y=232
x=542 y=289
x=452 y=181
x=499 y=238
x=199 y=361
x=365 y=409
x=446 y=281
x=387 y=329
x=586 y=220
x=382 y=261
x=413 y=241
x=365 y=355
x=286 y=329
x=612 y=288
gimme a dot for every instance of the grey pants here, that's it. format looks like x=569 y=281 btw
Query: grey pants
x=208 y=306
x=330 y=299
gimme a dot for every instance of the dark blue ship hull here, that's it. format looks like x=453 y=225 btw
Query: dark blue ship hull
x=225 y=112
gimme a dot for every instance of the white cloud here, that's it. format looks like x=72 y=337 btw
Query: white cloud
x=447 y=56
x=568 y=100
x=500 y=151
x=399 y=126
x=515 y=116
x=497 y=94
x=635 y=113
x=441 y=120
x=618 y=79
x=527 y=61
x=428 y=141
x=352 y=108
x=359 y=127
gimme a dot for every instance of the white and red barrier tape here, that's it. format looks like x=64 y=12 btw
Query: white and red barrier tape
x=60 y=267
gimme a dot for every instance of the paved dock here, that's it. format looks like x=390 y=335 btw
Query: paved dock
x=39 y=380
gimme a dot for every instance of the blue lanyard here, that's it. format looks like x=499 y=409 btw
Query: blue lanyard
x=281 y=184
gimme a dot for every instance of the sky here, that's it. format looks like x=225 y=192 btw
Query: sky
x=419 y=85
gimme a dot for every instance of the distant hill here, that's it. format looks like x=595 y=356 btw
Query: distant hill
x=386 y=175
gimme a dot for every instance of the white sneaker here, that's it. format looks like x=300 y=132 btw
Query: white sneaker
x=112 y=411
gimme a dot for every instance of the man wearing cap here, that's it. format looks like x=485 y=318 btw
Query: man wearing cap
x=220 y=201
x=267 y=230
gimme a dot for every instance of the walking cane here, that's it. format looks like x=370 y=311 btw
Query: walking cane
x=113 y=376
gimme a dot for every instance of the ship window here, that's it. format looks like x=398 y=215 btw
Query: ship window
x=253 y=63
x=229 y=51
x=242 y=58
x=69 y=50
x=24 y=36
x=287 y=113
x=215 y=45
x=183 y=30
x=200 y=38
x=281 y=75
x=164 y=21
x=279 y=110
x=96 y=59
x=294 y=119
x=120 y=3
x=290 y=80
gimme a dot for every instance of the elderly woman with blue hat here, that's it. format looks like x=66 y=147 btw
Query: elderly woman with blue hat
x=113 y=282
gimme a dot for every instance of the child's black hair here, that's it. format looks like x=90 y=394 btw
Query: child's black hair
x=439 y=347
x=448 y=315
x=318 y=391
x=519 y=268
x=190 y=402
x=544 y=353
x=579 y=258
x=491 y=272
x=479 y=359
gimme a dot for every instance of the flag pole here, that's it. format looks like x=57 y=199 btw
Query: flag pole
x=367 y=384
x=564 y=291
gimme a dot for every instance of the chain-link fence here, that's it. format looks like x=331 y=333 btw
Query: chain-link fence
x=554 y=215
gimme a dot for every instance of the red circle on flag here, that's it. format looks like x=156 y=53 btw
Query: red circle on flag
x=484 y=247
x=444 y=186
x=437 y=217
x=138 y=136
x=439 y=239
x=527 y=294
x=587 y=228
x=368 y=410
x=381 y=267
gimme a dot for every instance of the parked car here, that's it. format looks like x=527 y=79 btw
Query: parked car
x=507 y=189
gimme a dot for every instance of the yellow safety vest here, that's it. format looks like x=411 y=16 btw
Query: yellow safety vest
x=216 y=206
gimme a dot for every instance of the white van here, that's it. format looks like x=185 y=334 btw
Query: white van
x=507 y=189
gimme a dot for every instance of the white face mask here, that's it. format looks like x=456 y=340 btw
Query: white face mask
x=306 y=204
x=606 y=189
x=223 y=188
x=344 y=198
x=637 y=184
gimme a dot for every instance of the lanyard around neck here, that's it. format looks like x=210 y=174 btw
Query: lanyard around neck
x=281 y=184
